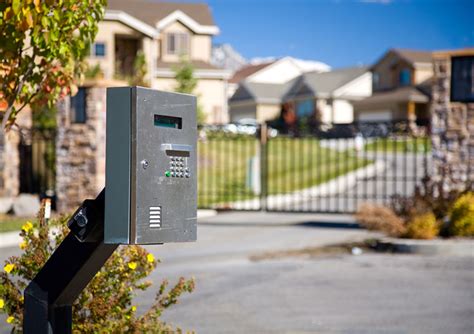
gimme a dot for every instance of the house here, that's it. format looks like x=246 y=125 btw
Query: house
x=164 y=32
x=256 y=90
x=330 y=93
x=401 y=88
x=452 y=109
x=259 y=101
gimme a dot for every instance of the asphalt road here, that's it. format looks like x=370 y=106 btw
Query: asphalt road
x=368 y=293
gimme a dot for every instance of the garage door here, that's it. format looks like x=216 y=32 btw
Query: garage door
x=375 y=116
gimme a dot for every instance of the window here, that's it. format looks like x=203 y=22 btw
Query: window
x=304 y=108
x=98 y=49
x=78 y=106
x=177 y=43
x=462 y=83
x=376 y=79
x=405 y=77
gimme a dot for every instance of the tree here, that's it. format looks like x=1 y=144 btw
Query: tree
x=186 y=83
x=139 y=71
x=42 y=44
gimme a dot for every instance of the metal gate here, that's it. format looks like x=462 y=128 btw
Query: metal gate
x=37 y=161
x=334 y=169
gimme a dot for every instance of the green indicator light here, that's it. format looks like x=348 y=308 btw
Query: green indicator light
x=167 y=173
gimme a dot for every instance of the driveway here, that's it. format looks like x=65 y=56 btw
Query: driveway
x=339 y=293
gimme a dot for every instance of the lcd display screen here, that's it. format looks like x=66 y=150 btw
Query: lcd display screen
x=168 y=121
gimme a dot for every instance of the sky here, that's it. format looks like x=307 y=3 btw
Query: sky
x=341 y=33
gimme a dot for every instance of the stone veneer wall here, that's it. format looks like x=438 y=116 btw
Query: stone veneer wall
x=452 y=129
x=80 y=152
x=9 y=164
x=10 y=156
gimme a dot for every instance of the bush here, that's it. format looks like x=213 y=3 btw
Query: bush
x=106 y=303
x=380 y=218
x=422 y=226
x=461 y=218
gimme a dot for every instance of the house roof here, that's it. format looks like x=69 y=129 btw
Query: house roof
x=247 y=71
x=325 y=83
x=402 y=94
x=409 y=55
x=261 y=92
x=415 y=56
x=151 y=12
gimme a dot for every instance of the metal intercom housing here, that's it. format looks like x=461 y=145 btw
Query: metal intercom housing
x=151 y=167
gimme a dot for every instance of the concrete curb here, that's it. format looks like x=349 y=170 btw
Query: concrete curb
x=454 y=247
x=206 y=213
x=10 y=239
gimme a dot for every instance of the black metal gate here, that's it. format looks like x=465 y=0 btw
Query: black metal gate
x=37 y=161
x=325 y=170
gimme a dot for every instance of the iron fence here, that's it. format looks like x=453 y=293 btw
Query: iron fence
x=324 y=169
x=37 y=161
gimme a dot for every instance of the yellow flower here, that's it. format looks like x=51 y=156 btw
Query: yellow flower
x=150 y=258
x=2 y=303
x=134 y=308
x=9 y=267
x=132 y=265
x=23 y=245
x=10 y=319
x=27 y=226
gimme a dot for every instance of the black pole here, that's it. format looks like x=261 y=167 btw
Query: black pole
x=50 y=295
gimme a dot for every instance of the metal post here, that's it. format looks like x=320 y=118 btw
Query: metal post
x=263 y=166
x=50 y=295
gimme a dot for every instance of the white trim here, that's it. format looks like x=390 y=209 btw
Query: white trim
x=117 y=15
x=178 y=15
x=199 y=74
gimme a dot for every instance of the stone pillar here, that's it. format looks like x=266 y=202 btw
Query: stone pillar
x=452 y=129
x=80 y=151
x=9 y=164
x=9 y=154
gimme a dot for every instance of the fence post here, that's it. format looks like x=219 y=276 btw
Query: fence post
x=263 y=166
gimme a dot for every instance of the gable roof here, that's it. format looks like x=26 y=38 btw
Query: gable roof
x=157 y=15
x=151 y=12
x=261 y=92
x=247 y=71
x=415 y=56
x=409 y=55
x=325 y=83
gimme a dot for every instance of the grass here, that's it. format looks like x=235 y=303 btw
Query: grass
x=412 y=145
x=11 y=223
x=293 y=164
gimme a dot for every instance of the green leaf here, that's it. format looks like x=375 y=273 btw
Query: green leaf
x=16 y=6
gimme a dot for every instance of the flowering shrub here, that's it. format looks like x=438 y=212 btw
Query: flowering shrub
x=422 y=226
x=105 y=305
x=461 y=218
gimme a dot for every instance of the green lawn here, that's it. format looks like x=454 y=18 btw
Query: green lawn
x=11 y=223
x=293 y=164
x=413 y=145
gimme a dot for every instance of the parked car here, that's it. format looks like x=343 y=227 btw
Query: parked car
x=250 y=126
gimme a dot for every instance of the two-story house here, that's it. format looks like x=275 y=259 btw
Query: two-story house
x=401 y=88
x=165 y=32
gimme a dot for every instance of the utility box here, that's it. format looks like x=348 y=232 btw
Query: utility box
x=151 y=167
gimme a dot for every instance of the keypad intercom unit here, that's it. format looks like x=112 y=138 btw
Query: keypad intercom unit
x=151 y=167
